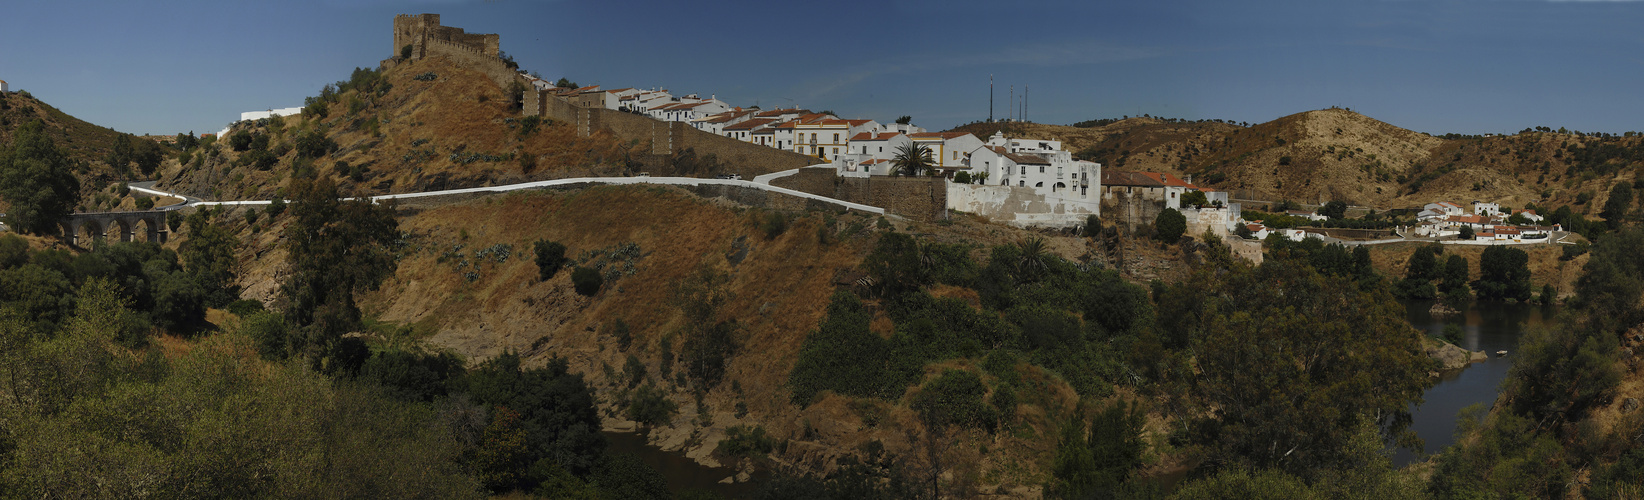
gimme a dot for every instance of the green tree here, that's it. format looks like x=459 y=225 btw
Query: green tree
x=1455 y=276
x=1095 y=466
x=586 y=280
x=904 y=120
x=210 y=256
x=709 y=339
x=1466 y=232
x=1334 y=210
x=912 y=159
x=1618 y=205
x=36 y=179
x=1194 y=199
x=550 y=257
x=1504 y=273
x=565 y=83
x=1169 y=225
x=120 y=155
x=336 y=249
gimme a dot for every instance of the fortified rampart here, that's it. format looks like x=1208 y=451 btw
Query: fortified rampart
x=426 y=37
x=666 y=138
x=919 y=198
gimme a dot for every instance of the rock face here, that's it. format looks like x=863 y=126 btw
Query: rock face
x=1629 y=405
x=1439 y=309
x=1452 y=357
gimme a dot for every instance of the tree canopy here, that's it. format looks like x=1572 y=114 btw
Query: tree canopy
x=37 y=179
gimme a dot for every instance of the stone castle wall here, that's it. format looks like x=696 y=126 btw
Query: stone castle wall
x=923 y=198
x=426 y=37
x=665 y=138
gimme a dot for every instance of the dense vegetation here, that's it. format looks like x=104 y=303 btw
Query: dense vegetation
x=1281 y=367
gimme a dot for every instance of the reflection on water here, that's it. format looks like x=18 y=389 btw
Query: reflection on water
x=681 y=472
x=1487 y=327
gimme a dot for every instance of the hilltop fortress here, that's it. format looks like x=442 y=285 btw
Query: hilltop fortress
x=421 y=35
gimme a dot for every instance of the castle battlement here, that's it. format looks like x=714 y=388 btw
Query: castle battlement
x=425 y=37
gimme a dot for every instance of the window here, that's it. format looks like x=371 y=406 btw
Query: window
x=1041 y=169
x=1024 y=170
x=1021 y=183
x=836 y=138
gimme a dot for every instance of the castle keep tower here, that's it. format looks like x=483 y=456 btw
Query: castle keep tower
x=423 y=30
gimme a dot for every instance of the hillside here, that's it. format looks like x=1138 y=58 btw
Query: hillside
x=86 y=145
x=1336 y=154
x=430 y=124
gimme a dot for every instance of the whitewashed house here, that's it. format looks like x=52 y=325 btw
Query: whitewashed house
x=948 y=149
x=1529 y=215
x=1040 y=165
x=829 y=138
x=4 y=87
x=1486 y=209
x=746 y=130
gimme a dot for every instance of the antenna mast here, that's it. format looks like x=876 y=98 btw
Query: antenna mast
x=990 y=98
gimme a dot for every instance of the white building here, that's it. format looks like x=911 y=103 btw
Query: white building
x=1486 y=209
x=949 y=150
x=1529 y=215
x=1438 y=210
x=749 y=130
x=1040 y=165
x=881 y=145
x=4 y=87
x=829 y=138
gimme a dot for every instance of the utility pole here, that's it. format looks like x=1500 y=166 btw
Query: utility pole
x=1011 y=111
x=990 y=98
x=1024 y=102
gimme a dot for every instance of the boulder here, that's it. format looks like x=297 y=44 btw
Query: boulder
x=1629 y=405
x=1439 y=309
x=1453 y=357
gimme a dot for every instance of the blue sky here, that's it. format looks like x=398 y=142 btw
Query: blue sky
x=1474 y=66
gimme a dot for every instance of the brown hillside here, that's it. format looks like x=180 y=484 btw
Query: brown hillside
x=1336 y=154
x=441 y=125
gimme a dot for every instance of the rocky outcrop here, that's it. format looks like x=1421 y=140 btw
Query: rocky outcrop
x=1439 y=309
x=1453 y=357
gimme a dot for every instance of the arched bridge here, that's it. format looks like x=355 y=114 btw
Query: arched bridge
x=123 y=224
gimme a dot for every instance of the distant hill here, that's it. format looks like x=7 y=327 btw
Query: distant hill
x=1336 y=154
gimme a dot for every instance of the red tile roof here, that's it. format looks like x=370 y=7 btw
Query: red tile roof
x=939 y=135
x=870 y=136
x=780 y=112
x=750 y=124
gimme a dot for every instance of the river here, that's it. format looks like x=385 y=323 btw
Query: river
x=681 y=473
x=1488 y=327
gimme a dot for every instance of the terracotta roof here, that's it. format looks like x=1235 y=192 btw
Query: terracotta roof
x=874 y=161
x=664 y=107
x=750 y=124
x=1470 y=219
x=786 y=124
x=780 y=112
x=725 y=117
x=812 y=117
x=870 y=136
x=939 y=135
x=1139 y=179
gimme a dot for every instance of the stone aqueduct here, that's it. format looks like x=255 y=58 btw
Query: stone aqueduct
x=100 y=224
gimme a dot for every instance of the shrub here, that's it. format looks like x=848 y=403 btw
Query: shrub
x=250 y=216
x=587 y=281
x=774 y=224
x=651 y=406
x=1170 y=225
x=634 y=371
x=145 y=203
x=550 y=258
x=955 y=398
x=746 y=441
x=405 y=52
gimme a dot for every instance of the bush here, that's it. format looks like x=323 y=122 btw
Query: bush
x=651 y=406
x=955 y=398
x=587 y=281
x=240 y=140
x=550 y=258
x=774 y=224
x=276 y=207
x=746 y=441
x=145 y=203
x=1170 y=225
x=405 y=52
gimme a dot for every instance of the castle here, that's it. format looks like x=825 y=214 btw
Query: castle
x=423 y=34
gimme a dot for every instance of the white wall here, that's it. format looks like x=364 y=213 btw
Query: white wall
x=258 y=115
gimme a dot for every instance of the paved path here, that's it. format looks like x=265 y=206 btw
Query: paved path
x=189 y=201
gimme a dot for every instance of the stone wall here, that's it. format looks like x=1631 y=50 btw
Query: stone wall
x=1022 y=206
x=666 y=138
x=426 y=38
x=1131 y=210
x=923 y=198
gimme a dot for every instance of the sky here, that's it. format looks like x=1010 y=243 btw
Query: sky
x=1467 y=66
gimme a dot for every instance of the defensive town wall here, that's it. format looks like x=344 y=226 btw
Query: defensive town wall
x=924 y=198
x=1132 y=210
x=666 y=139
x=1021 y=206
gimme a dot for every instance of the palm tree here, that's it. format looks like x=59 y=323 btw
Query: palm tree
x=911 y=159
x=1032 y=261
